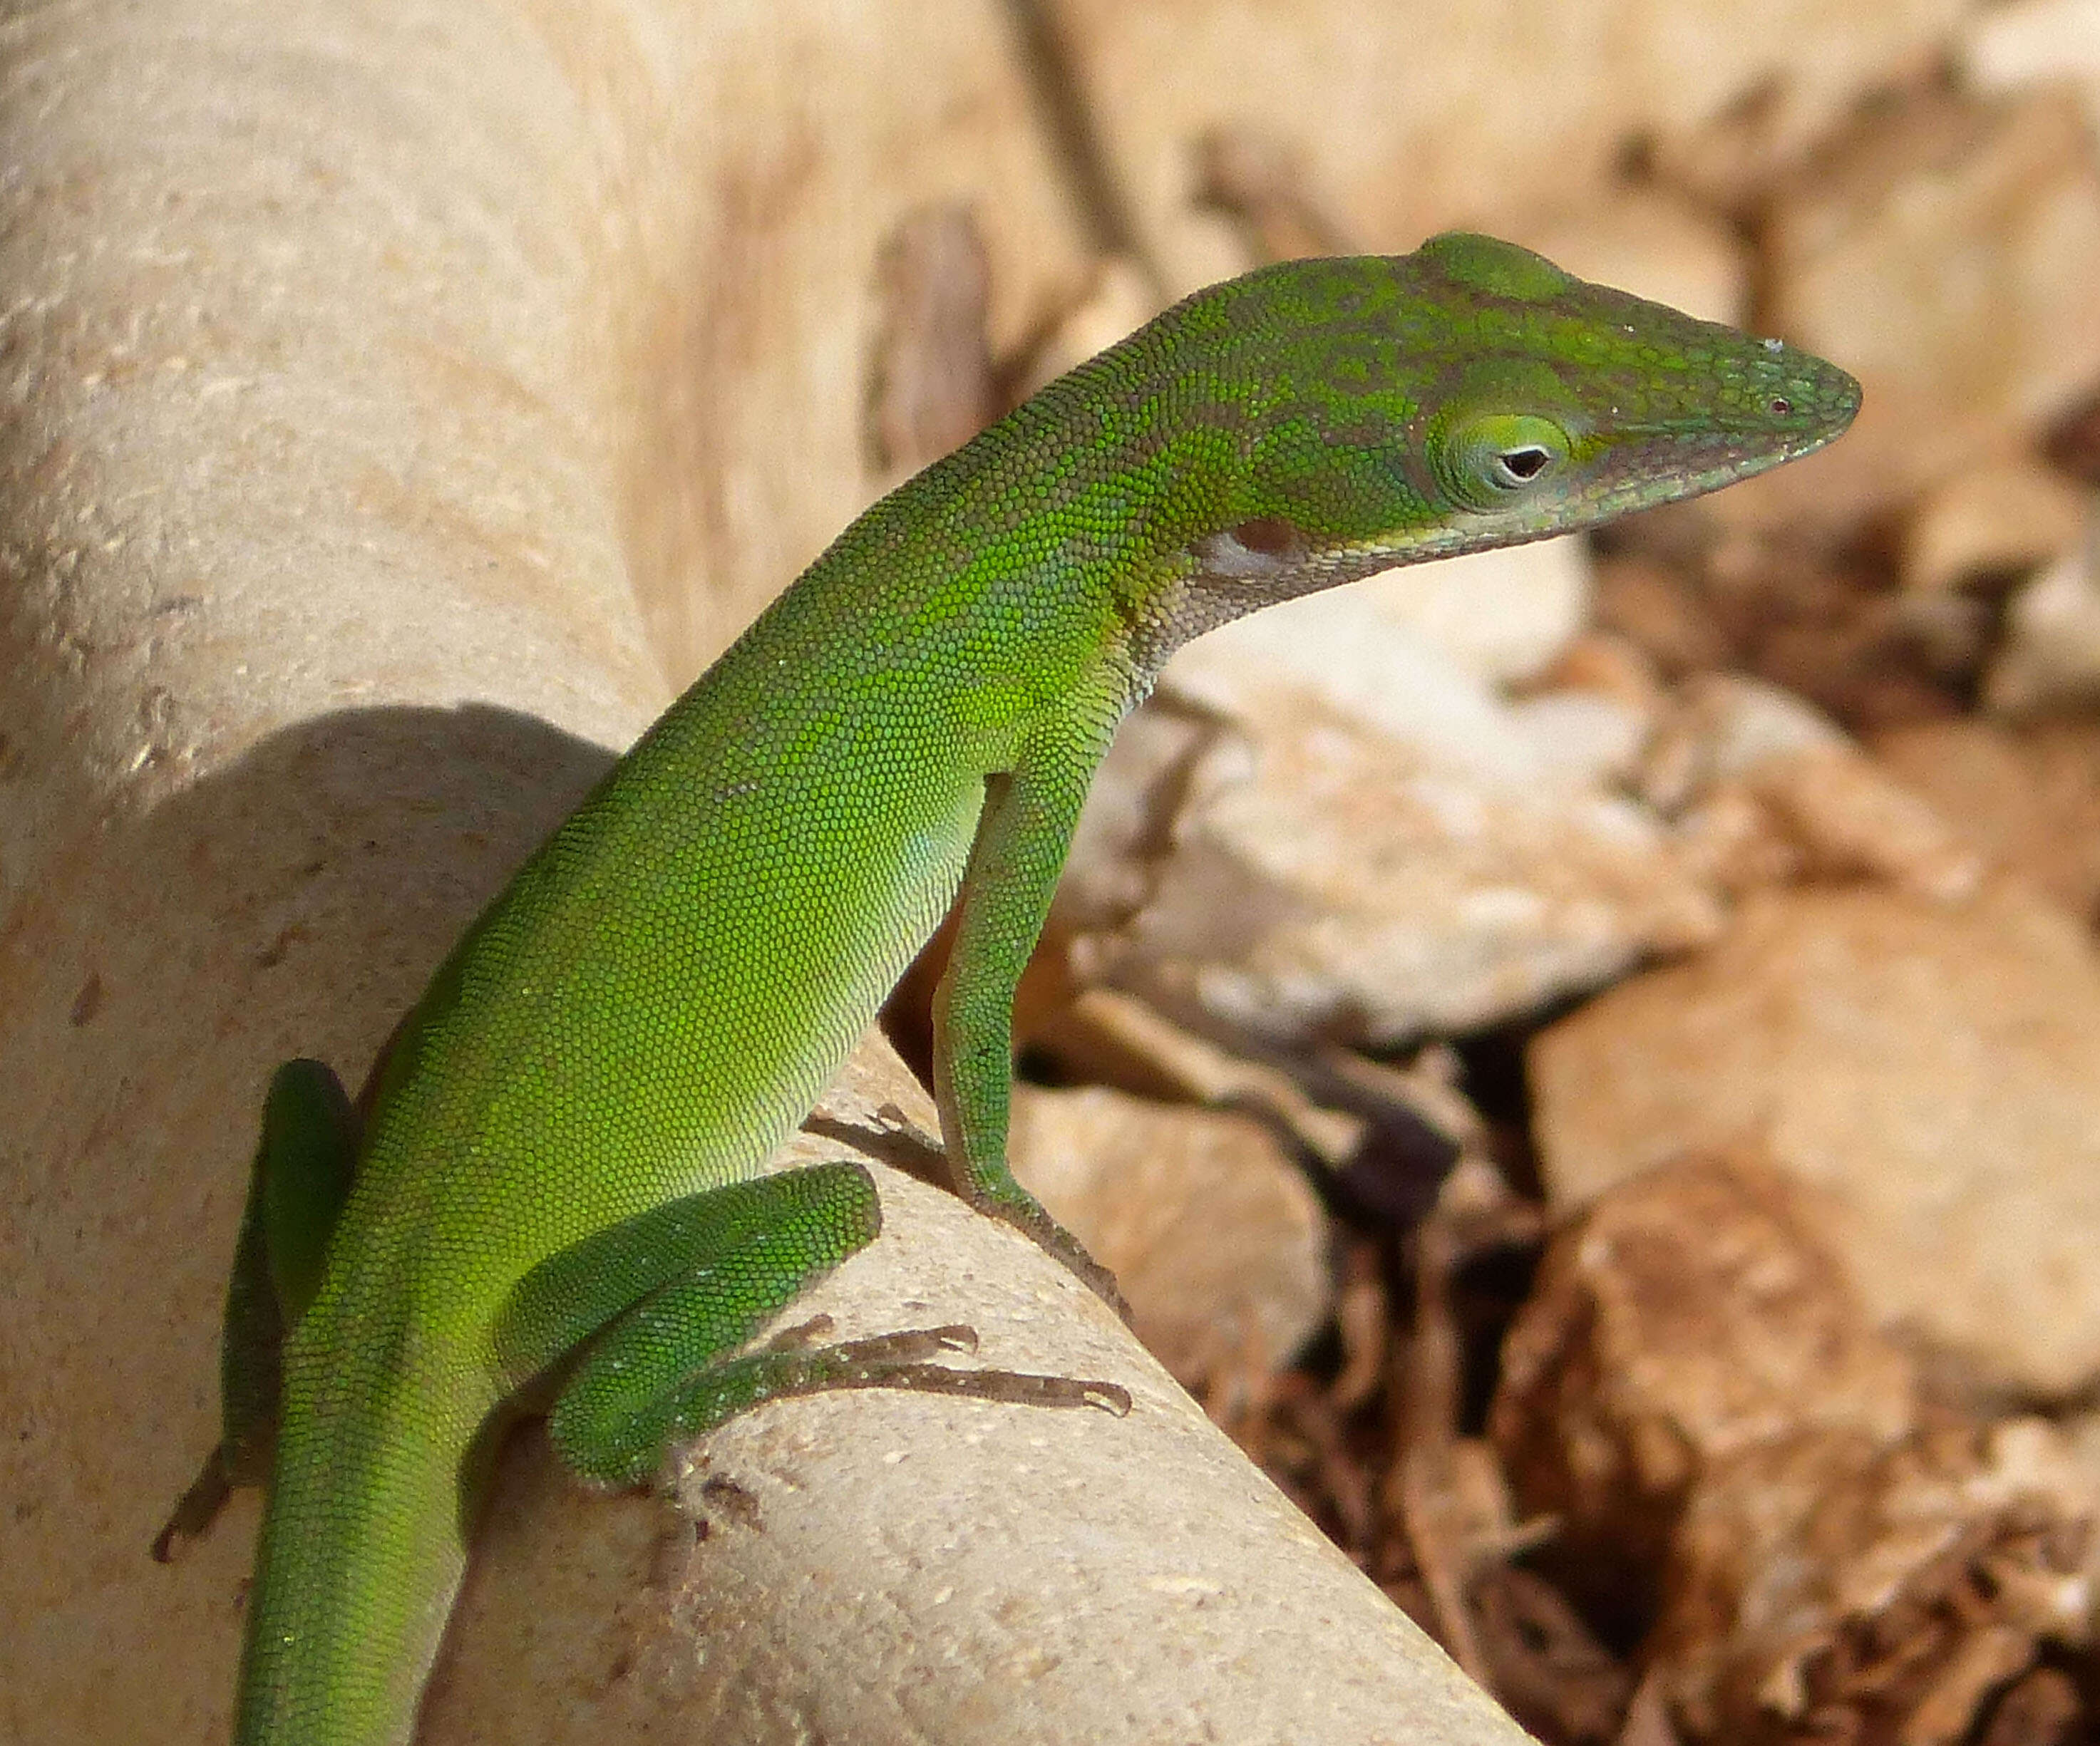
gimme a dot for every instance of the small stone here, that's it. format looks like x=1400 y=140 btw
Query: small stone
x=1320 y=880
x=1604 y=663
x=2051 y=655
x=2027 y=795
x=1502 y=616
x=1936 y=1070
x=1733 y=739
x=2027 y=42
x=1582 y=739
x=1993 y=522
x=1724 y=726
x=1692 y=1311
x=1216 y=1236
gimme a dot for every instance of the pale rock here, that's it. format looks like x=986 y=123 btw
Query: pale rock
x=1582 y=739
x=1999 y=519
x=1838 y=814
x=2051 y=654
x=1727 y=725
x=1217 y=1239
x=1605 y=664
x=1366 y=846
x=1337 y=653
x=1945 y=253
x=2027 y=795
x=1500 y=615
x=1104 y=1037
x=1936 y=1070
x=2003 y=48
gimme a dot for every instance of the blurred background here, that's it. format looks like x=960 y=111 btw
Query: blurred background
x=1587 y=1059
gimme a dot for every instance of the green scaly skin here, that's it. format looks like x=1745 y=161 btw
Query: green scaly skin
x=556 y=1195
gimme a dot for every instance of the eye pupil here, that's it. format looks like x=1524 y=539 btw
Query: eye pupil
x=1495 y=462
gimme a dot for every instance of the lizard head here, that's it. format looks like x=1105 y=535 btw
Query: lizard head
x=1350 y=415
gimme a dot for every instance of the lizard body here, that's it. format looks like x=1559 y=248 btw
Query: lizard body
x=557 y=1190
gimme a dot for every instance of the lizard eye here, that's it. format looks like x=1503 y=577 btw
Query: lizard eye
x=1495 y=458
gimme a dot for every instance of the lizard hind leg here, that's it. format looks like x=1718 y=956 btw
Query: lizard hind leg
x=648 y=1315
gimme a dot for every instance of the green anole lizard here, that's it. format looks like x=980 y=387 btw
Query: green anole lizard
x=557 y=1195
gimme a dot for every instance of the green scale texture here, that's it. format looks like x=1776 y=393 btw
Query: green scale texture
x=659 y=994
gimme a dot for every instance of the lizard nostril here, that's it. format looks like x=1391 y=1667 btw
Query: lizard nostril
x=1779 y=406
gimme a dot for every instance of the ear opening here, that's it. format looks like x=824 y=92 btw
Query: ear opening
x=1252 y=550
